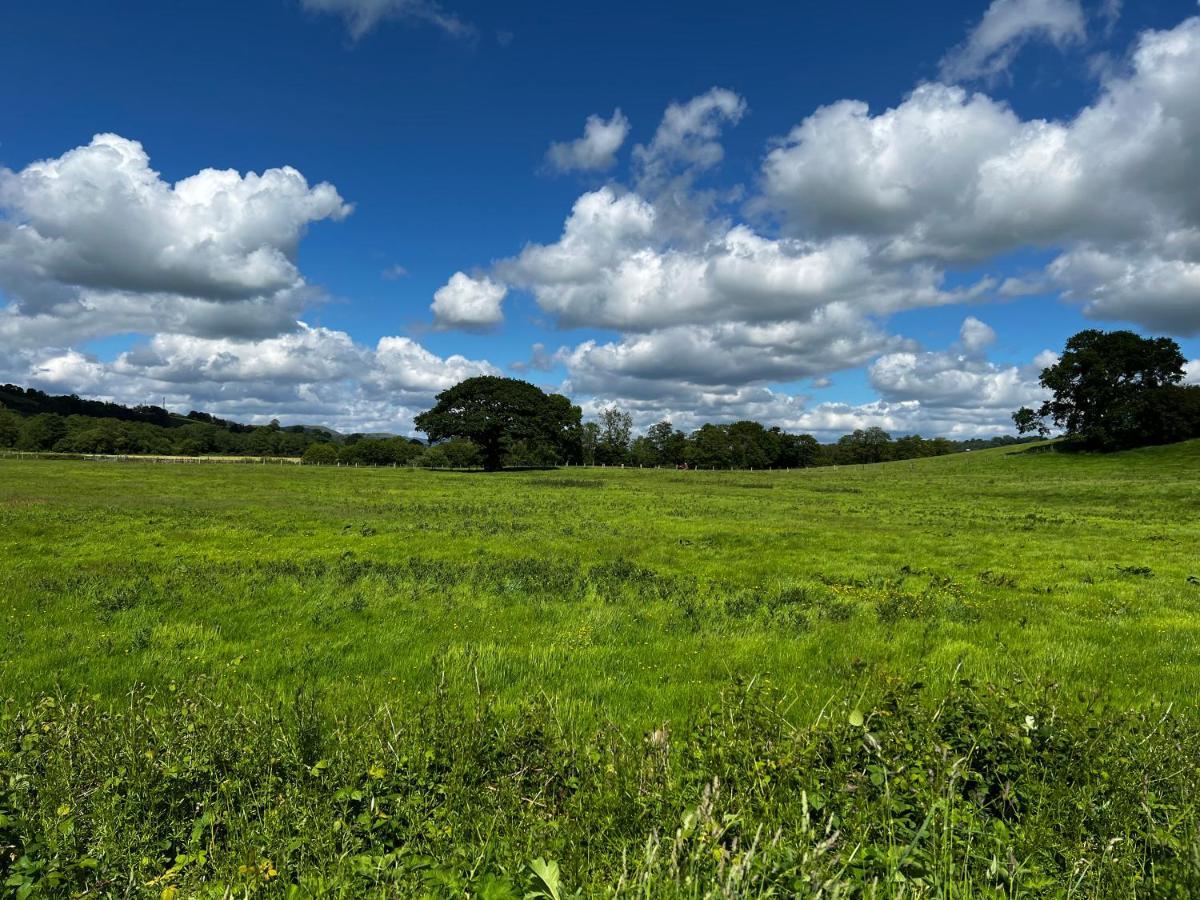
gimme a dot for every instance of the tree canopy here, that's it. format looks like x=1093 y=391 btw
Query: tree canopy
x=498 y=414
x=1112 y=390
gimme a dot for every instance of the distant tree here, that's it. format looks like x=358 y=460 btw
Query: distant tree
x=667 y=444
x=42 y=432
x=709 y=447
x=433 y=458
x=798 y=451
x=322 y=454
x=1171 y=413
x=495 y=413
x=101 y=436
x=1115 y=389
x=642 y=453
x=188 y=447
x=377 y=452
x=405 y=450
x=263 y=442
x=198 y=438
x=871 y=445
x=293 y=443
x=530 y=454
x=941 y=446
x=752 y=446
x=589 y=440
x=10 y=428
x=616 y=431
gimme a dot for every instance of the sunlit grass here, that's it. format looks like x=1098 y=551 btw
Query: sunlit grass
x=629 y=595
x=617 y=602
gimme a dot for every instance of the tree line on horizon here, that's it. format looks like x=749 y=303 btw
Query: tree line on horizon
x=539 y=431
x=1109 y=391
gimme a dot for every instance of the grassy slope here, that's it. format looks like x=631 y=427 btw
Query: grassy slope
x=525 y=632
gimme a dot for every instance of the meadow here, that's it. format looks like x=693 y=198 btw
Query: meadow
x=962 y=676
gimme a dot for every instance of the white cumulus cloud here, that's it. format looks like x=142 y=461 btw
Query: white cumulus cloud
x=596 y=151
x=947 y=175
x=472 y=304
x=314 y=375
x=95 y=242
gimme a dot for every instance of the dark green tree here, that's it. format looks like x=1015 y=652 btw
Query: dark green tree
x=323 y=454
x=495 y=413
x=641 y=453
x=709 y=447
x=589 y=440
x=1113 y=390
x=798 y=451
x=667 y=444
x=10 y=428
x=42 y=432
x=379 y=451
x=616 y=431
x=752 y=446
x=865 y=446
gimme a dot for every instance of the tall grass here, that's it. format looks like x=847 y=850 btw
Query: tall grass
x=978 y=790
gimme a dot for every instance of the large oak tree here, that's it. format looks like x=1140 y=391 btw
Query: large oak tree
x=1115 y=389
x=497 y=413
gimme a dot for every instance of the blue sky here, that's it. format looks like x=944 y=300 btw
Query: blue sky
x=747 y=244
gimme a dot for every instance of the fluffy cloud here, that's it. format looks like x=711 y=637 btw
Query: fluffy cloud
x=828 y=421
x=363 y=15
x=688 y=411
x=99 y=217
x=308 y=355
x=956 y=175
x=872 y=209
x=401 y=364
x=858 y=217
x=1134 y=286
x=472 y=304
x=960 y=378
x=95 y=314
x=952 y=176
x=596 y=151
x=313 y=375
x=95 y=242
x=975 y=335
x=1006 y=26
x=675 y=362
x=612 y=268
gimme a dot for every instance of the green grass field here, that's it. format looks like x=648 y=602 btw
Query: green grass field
x=959 y=676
